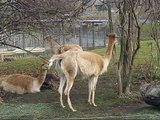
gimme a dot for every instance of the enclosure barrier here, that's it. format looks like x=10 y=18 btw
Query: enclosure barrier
x=4 y=54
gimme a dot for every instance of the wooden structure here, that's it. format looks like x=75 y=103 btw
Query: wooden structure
x=4 y=54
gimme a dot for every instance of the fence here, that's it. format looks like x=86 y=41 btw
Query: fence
x=92 y=33
x=88 y=33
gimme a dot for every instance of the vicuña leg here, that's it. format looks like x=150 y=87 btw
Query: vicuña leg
x=67 y=92
x=60 y=89
x=94 y=83
x=90 y=90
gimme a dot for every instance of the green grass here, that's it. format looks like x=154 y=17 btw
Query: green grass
x=147 y=30
x=45 y=105
x=144 y=63
x=147 y=52
x=150 y=112
x=22 y=65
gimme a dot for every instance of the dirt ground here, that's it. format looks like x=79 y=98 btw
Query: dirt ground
x=43 y=105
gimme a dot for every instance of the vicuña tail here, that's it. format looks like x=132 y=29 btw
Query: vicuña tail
x=53 y=58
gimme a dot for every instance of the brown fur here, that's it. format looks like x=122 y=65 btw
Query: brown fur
x=85 y=63
x=20 y=84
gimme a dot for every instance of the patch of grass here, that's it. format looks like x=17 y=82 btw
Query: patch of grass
x=146 y=31
x=45 y=105
x=149 y=112
x=100 y=51
x=147 y=52
x=145 y=61
x=22 y=65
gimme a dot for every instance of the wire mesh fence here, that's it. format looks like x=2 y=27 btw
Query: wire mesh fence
x=88 y=33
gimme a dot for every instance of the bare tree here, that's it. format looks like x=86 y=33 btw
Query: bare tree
x=108 y=5
x=26 y=15
x=155 y=25
x=132 y=16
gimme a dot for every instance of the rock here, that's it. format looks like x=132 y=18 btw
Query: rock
x=150 y=93
x=152 y=100
x=51 y=82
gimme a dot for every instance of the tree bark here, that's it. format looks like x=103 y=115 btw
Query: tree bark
x=110 y=17
x=127 y=53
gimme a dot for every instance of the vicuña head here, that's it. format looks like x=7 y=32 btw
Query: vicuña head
x=20 y=84
x=85 y=63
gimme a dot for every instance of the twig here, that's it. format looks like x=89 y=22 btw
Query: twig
x=3 y=43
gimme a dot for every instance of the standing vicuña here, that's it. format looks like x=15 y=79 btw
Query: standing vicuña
x=85 y=63
x=59 y=50
x=20 y=84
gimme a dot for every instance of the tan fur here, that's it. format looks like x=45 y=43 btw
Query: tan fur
x=60 y=50
x=63 y=48
x=85 y=63
x=20 y=84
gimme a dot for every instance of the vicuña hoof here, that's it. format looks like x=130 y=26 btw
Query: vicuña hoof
x=65 y=92
x=89 y=102
x=74 y=110
x=94 y=105
x=63 y=106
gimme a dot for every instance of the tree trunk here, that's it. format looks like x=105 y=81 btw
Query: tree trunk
x=110 y=17
x=120 y=85
x=155 y=36
x=120 y=62
x=125 y=63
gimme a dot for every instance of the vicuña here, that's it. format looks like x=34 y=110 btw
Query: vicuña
x=60 y=50
x=85 y=63
x=20 y=84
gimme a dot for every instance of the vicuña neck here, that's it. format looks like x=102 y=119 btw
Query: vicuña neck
x=109 y=50
x=41 y=77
